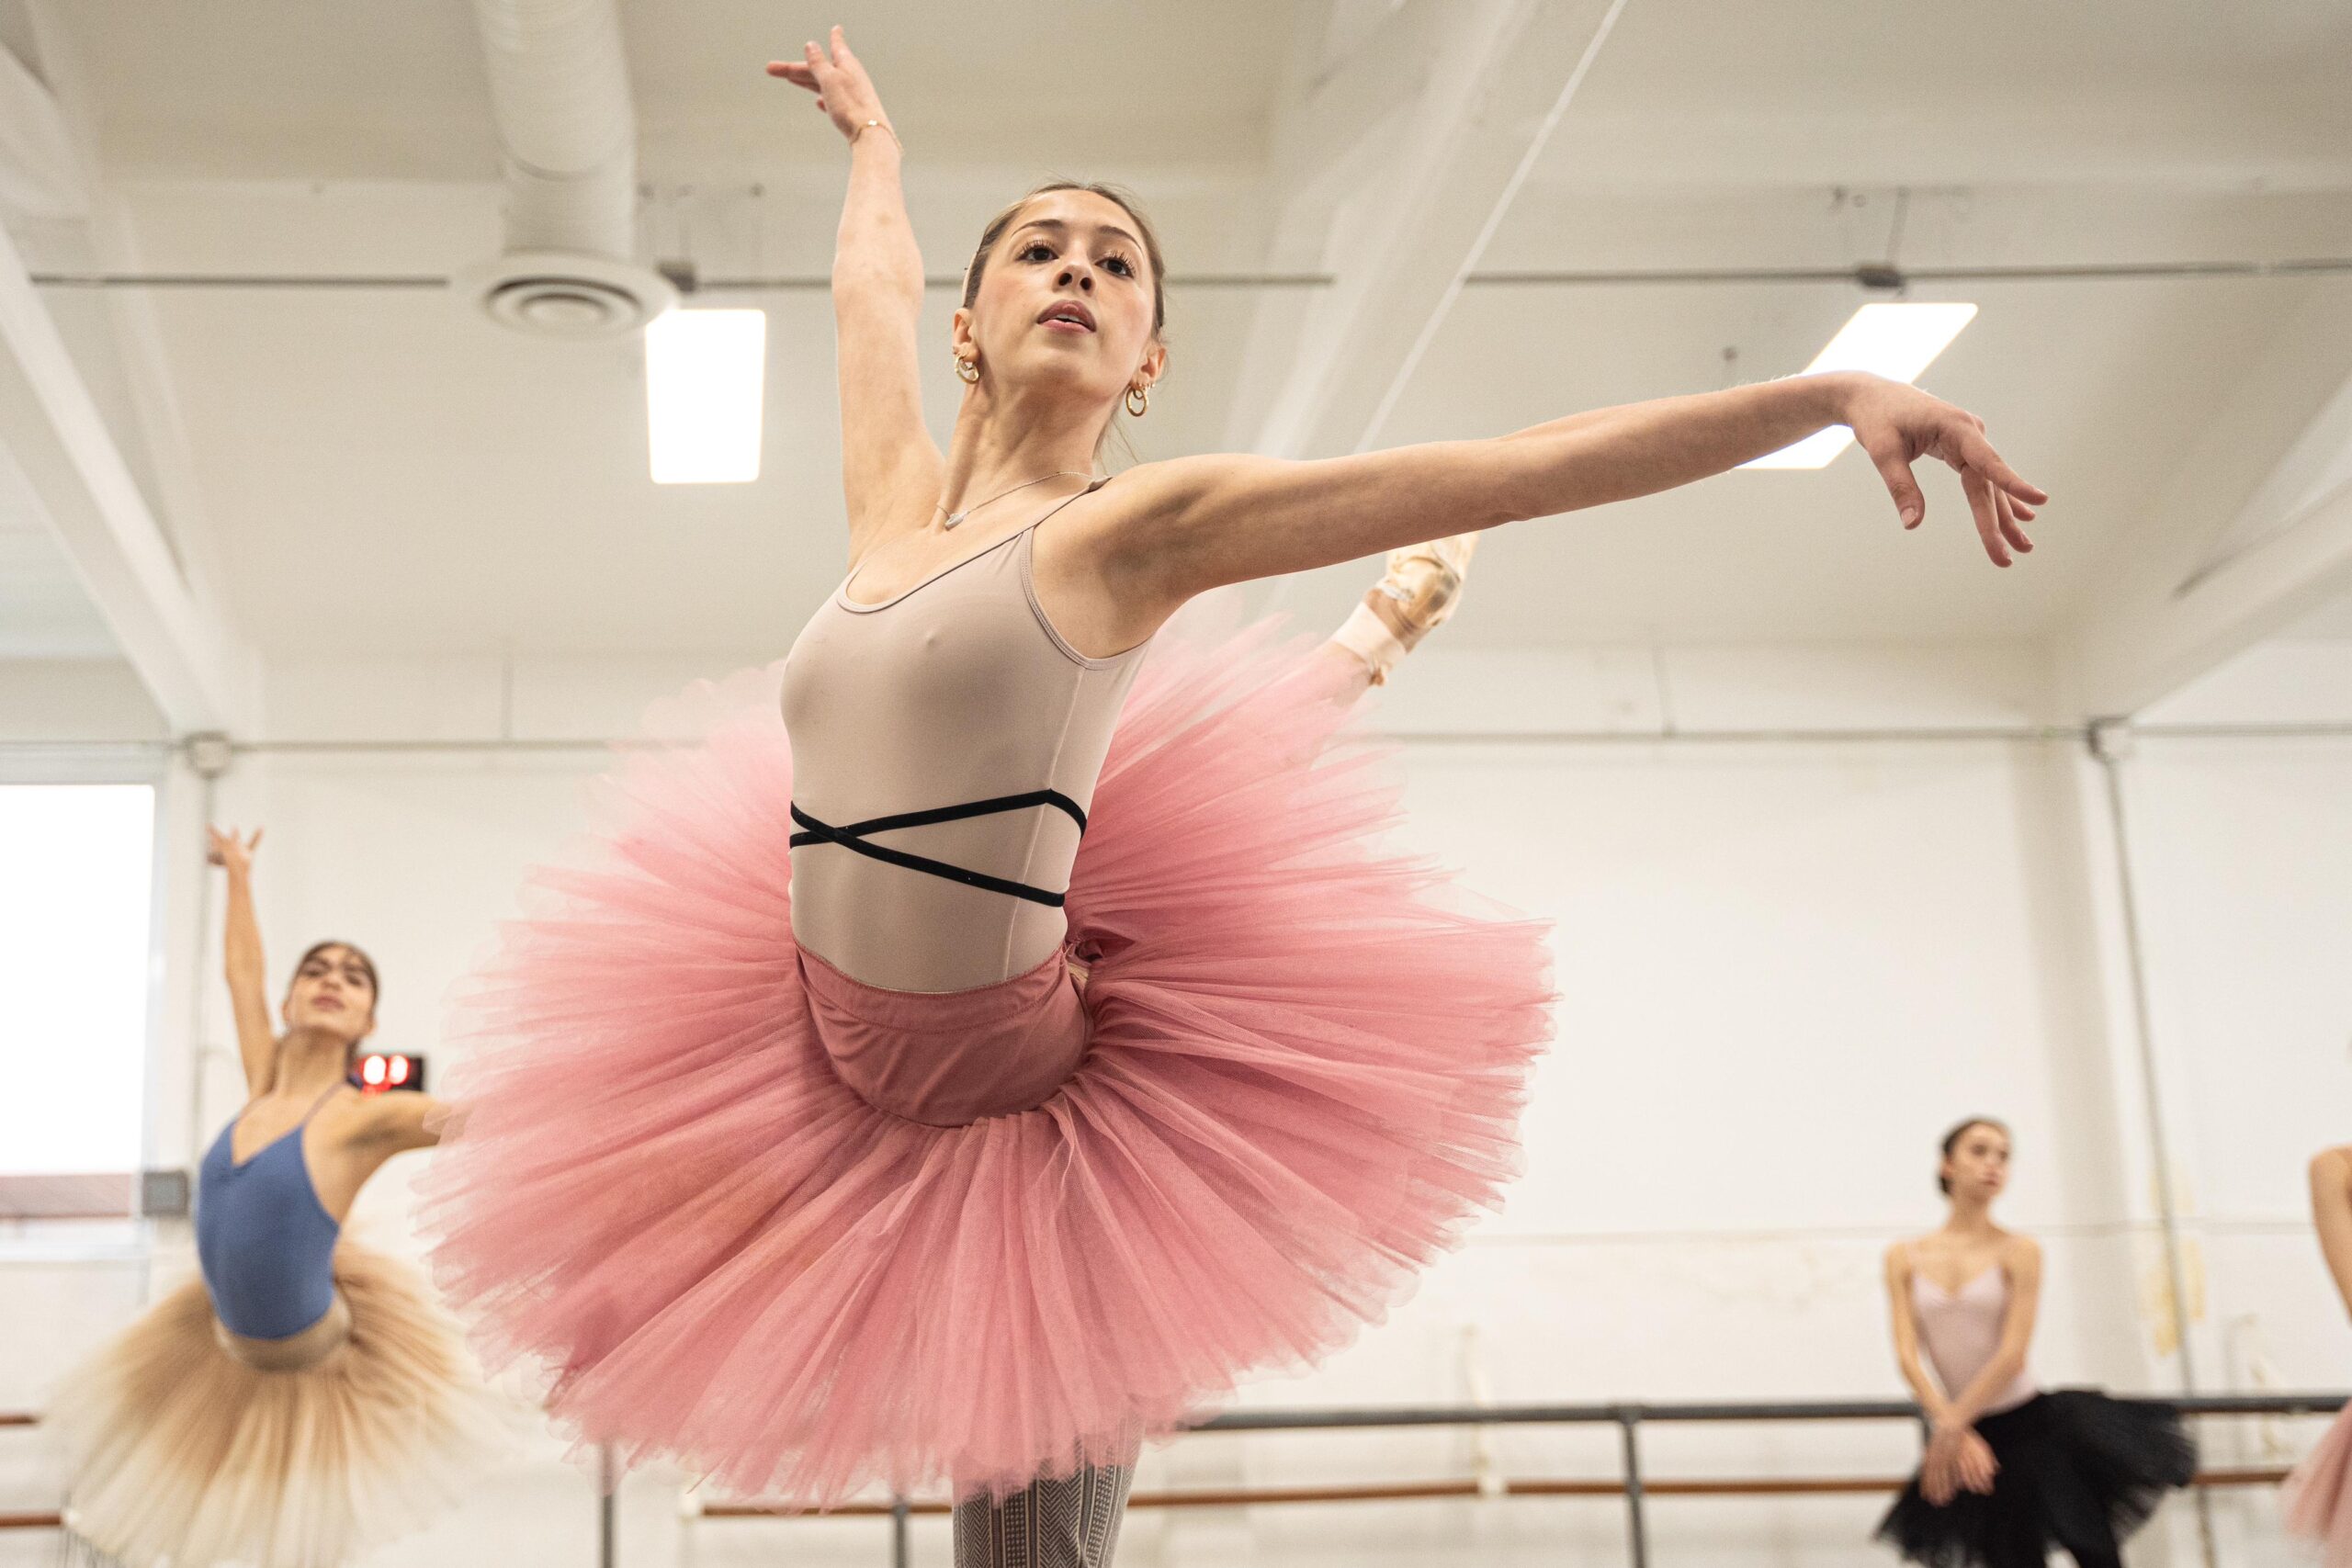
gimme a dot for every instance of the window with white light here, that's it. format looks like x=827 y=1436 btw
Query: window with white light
x=704 y=373
x=76 y=886
x=1896 y=340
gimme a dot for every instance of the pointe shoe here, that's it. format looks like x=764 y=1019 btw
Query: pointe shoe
x=1423 y=585
x=1412 y=599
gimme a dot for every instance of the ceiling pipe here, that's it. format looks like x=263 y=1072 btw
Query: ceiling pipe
x=567 y=134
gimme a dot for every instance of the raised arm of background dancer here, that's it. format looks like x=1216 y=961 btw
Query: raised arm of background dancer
x=242 y=960
x=891 y=470
x=2332 y=1215
x=1200 y=522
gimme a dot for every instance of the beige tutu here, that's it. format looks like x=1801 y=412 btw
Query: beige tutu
x=181 y=1454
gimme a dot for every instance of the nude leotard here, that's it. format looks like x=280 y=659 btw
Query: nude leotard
x=945 y=744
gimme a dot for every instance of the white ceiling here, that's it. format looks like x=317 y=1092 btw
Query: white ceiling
x=383 y=470
x=391 y=89
x=2330 y=622
x=1826 y=92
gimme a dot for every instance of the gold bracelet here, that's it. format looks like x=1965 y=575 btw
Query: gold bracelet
x=870 y=124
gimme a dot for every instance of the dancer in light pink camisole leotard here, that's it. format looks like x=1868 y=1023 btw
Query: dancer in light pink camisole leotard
x=1960 y=1329
x=2011 y=1472
x=1030 y=1036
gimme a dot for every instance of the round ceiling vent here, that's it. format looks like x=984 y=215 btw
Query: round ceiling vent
x=559 y=294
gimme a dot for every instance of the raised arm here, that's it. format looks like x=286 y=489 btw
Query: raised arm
x=2332 y=1215
x=891 y=470
x=248 y=981
x=1213 y=520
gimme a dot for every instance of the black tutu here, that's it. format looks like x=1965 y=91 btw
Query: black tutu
x=2079 y=1472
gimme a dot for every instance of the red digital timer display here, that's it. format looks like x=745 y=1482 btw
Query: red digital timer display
x=379 y=1073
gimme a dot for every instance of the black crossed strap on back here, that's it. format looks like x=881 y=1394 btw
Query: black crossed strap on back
x=854 y=835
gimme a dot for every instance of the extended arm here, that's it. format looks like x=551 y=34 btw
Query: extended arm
x=393 y=1123
x=1209 y=520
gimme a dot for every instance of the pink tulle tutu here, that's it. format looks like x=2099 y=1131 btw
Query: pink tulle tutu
x=1299 y=1067
x=2317 y=1500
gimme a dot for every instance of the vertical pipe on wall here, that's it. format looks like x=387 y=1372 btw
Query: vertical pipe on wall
x=207 y=799
x=2111 y=745
x=159 y=957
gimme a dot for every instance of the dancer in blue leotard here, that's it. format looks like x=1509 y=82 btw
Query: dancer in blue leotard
x=304 y=1398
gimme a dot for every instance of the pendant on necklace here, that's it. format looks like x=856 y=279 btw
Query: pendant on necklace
x=956 y=518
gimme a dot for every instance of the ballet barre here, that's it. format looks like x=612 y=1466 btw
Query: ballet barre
x=23 y=1519
x=1633 y=1484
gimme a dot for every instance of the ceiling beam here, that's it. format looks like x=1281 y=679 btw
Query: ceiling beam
x=42 y=172
x=59 y=464
x=107 y=242
x=1393 y=168
x=174 y=639
x=2210 y=574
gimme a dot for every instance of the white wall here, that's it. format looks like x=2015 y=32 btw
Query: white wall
x=2242 y=842
x=1786 y=965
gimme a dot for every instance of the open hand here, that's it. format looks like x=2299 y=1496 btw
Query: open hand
x=230 y=851
x=1898 y=424
x=839 y=79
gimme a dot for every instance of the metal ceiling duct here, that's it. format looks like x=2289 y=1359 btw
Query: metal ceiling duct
x=567 y=133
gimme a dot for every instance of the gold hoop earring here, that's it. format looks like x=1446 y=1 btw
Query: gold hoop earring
x=1139 y=399
x=968 y=372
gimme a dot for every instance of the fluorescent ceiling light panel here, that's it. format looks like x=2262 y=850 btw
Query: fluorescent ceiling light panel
x=704 y=370
x=1898 y=341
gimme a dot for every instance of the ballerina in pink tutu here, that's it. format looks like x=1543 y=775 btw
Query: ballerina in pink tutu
x=2318 y=1495
x=1041 y=1038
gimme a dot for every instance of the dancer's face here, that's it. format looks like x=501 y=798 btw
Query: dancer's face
x=1978 y=1166
x=333 y=993
x=1065 y=304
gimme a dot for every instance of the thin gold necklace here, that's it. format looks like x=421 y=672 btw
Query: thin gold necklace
x=956 y=518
